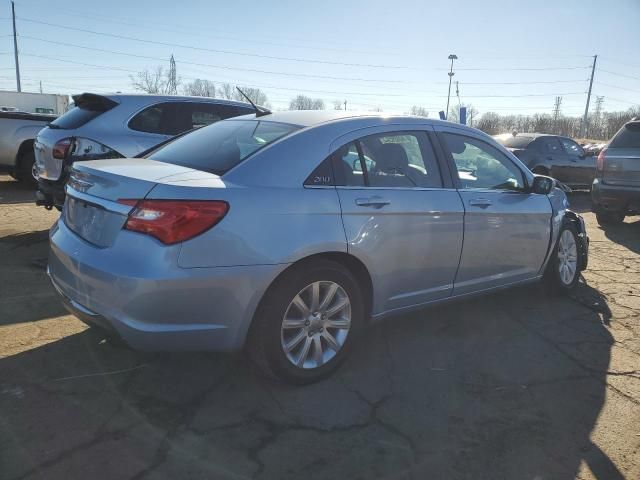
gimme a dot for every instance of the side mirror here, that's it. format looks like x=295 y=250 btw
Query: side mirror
x=542 y=185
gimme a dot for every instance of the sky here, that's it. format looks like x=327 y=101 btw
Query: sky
x=514 y=57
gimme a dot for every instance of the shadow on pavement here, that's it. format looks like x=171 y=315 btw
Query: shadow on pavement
x=26 y=295
x=509 y=386
x=13 y=192
x=626 y=234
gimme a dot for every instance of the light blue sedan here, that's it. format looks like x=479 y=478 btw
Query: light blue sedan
x=288 y=232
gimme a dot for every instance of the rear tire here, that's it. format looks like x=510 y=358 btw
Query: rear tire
x=609 y=218
x=301 y=348
x=562 y=273
x=24 y=170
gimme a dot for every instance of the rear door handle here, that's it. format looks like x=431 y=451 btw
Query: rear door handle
x=480 y=202
x=375 y=201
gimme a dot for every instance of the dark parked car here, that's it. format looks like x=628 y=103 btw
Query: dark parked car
x=616 y=189
x=552 y=155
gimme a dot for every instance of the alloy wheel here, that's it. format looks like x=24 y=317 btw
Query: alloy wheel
x=567 y=257
x=316 y=324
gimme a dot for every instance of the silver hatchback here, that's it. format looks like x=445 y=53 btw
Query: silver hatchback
x=288 y=232
x=117 y=125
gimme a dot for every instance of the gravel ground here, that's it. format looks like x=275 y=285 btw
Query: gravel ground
x=516 y=385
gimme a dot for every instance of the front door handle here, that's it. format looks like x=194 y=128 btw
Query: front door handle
x=375 y=201
x=480 y=202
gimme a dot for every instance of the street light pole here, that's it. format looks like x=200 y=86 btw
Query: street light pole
x=451 y=57
x=15 y=47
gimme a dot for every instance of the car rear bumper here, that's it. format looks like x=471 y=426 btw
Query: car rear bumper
x=614 y=198
x=156 y=308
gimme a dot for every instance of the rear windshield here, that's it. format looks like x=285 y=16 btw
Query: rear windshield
x=627 y=137
x=76 y=117
x=221 y=146
x=515 y=142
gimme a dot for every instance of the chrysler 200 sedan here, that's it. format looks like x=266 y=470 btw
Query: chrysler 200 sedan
x=287 y=233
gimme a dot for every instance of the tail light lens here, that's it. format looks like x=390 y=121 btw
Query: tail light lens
x=600 y=160
x=173 y=221
x=62 y=148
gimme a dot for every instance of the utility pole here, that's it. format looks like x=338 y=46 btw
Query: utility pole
x=556 y=113
x=15 y=46
x=458 y=94
x=451 y=57
x=345 y=105
x=583 y=129
x=40 y=86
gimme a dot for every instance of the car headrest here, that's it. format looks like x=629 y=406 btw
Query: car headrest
x=391 y=156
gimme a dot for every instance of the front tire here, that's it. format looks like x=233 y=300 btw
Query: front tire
x=307 y=322
x=563 y=272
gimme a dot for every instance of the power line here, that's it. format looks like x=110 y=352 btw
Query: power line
x=619 y=74
x=223 y=67
x=616 y=86
x=203 y=49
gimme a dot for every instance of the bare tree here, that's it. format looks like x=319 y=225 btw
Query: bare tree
x=150 y=81
x=256 y=95
x=454 y=114
x=418 y=111
x=200 y=88
x=302 y=102
x=337 y=105
x=227 y=91
x=490 y=123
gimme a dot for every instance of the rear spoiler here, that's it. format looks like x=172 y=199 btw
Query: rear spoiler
x=93 y=101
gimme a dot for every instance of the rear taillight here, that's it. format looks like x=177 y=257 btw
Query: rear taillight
x=600 y=160
x=62 y=148
x=173 y=221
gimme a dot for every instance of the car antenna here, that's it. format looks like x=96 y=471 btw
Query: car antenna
x=259 y=111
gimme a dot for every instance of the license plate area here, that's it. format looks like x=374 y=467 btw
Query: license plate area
x=92 y=222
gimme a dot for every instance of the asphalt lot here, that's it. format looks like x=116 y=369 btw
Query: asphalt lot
x=516 y=385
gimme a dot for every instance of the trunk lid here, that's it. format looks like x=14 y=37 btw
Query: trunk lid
x=91 y=208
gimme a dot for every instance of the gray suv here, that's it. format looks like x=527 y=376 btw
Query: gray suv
x=616 y=189
x=117 y=126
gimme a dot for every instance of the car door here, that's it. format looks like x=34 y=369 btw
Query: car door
x=554 y=156
x=506 y=228
x=581 y=169
x=400 y=218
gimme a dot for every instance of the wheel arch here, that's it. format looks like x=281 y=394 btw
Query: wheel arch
x=350 y=262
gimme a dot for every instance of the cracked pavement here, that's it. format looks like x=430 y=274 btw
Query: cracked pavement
x=518 y=384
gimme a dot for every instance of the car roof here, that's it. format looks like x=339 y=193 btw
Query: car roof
x=145 y=97
x=310 y=118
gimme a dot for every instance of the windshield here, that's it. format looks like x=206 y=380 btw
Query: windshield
x=221 y=146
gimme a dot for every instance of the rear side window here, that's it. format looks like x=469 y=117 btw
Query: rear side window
x=219 y=147
x=627 y=137
x=203 y=114
x=549 y=145
x=154 y=119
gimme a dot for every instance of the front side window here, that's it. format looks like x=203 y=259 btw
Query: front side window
x=549 y=145
x=480 y=165
x=571 y=147
x=401 y=160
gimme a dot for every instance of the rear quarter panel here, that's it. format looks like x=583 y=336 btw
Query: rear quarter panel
x=264 y=225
